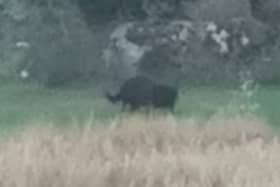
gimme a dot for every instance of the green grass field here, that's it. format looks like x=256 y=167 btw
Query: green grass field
x=136 y=150
x=21 y=103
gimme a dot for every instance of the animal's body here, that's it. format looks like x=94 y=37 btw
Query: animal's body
x=164 y=97
x=142 y=92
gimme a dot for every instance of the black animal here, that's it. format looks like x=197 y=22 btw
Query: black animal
x=142 y=92
x=164 y=96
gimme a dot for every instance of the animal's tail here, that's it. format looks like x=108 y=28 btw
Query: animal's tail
x=113 y=98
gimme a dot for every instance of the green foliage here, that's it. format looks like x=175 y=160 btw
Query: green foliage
x=218 y=11
x=59 y=41
x=64 y=39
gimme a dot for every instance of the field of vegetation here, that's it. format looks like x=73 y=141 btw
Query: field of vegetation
x=141 y=151
x=74 y=137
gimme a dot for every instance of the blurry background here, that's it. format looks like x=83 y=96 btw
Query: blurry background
x=201 y=47
x=55 y=42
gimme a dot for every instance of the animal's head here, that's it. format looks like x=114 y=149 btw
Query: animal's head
x=112 y=98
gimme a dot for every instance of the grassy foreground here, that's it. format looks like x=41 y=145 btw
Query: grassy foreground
x=137 y=152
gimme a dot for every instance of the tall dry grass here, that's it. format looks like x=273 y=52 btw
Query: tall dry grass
x=138 y=152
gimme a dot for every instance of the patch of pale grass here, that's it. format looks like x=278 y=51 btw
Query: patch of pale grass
x=140 y=152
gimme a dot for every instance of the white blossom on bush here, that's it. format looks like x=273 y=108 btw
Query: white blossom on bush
x=24 y=74
x=245 y=40
x=23 y=44
x=221 y=40
x=211 y=27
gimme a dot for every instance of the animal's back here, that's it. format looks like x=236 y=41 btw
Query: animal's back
x=137 y=91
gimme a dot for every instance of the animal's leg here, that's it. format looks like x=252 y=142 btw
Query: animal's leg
x=148 y=110
x=133 y=108
x=125 y=106
x=172 y=109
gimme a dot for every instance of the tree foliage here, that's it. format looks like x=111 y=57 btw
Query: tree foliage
x=60 y=41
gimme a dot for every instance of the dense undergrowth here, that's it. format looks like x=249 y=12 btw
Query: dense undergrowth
x=139 y=151
x=55 y=42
